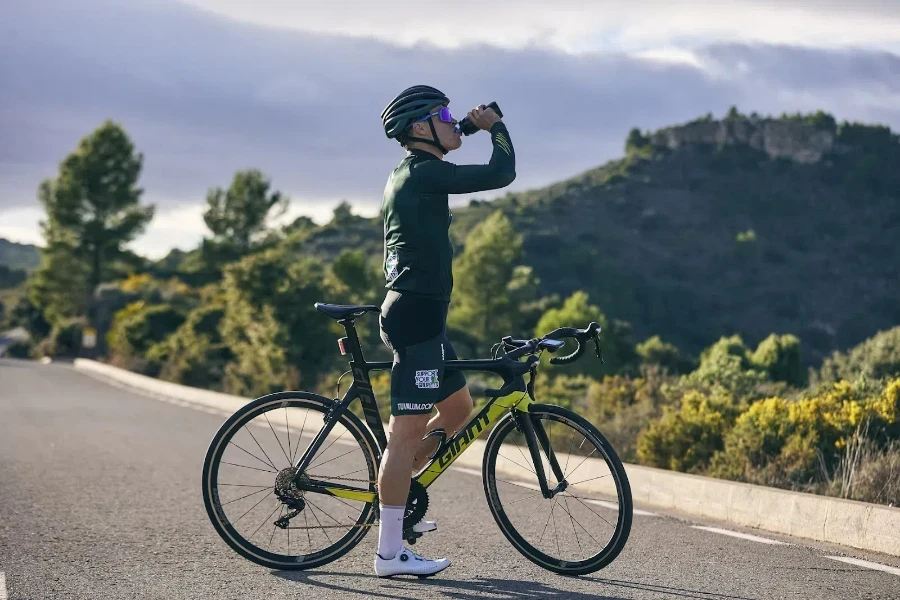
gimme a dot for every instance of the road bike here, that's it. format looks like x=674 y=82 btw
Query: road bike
x=528 y=441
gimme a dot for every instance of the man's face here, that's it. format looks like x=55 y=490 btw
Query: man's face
x=446 y=131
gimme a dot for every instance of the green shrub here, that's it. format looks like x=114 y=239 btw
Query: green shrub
x=279 y=340
x=136 y=328
x=195 y=353
x=621 y=407
x=876 y=358
x=686 y=439
x=726 y=364
x=67 y=338
x=654 y=351
x=21 y=349
x=781 y=359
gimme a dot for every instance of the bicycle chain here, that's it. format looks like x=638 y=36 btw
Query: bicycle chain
x=348 y=479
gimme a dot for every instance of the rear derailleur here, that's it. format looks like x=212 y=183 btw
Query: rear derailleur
x=287 y=492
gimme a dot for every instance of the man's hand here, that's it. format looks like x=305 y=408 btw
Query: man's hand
x=483 y=117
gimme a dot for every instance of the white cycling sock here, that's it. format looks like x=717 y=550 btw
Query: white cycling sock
x=390 y=531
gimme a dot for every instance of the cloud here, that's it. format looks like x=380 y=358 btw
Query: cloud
x=576 y=26
x=204 y=96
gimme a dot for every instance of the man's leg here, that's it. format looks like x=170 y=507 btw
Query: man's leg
x=410 y=326
x=394 y=479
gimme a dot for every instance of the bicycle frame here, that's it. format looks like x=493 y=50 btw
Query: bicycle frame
x=448 y=451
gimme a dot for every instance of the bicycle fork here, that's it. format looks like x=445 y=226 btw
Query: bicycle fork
x=535 y=434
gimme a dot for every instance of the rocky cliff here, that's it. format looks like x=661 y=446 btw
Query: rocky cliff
x=798 y=141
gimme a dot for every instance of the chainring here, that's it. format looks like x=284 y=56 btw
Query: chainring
x=416 y=504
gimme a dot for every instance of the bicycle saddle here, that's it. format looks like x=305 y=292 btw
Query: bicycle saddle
x=344 y=311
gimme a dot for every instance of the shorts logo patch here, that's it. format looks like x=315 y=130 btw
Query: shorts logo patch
x=427 y=379
x=414 y=406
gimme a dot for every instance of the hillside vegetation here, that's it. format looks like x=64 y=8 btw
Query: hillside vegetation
x=744 y=272
x=19 y=256
x=744 y=225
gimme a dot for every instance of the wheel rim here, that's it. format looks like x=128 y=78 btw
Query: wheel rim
x=249 y=454
x=580 y=526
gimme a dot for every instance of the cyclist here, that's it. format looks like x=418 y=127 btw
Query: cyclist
x=418 y=270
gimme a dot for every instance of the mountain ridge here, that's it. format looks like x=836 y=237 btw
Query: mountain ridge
x=19 y=256
x=741 y=225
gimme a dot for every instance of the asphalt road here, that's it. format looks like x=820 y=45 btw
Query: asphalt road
x=100 y=498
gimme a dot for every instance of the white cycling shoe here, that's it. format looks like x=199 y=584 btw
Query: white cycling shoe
x=424 y=526
x=407 y=562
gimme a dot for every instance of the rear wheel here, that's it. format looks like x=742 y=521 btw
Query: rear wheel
x=247 y=475
x=582 y=528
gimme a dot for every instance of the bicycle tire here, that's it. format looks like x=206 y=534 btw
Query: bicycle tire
x=292 y=399
x=617 y=469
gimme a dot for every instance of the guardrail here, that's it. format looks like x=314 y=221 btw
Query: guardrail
x=846 y=522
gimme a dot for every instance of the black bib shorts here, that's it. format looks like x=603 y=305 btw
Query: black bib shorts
x=414 y=327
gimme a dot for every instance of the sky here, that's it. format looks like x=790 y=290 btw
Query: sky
x=295 y=88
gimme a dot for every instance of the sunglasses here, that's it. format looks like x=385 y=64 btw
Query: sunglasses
x=443 y=114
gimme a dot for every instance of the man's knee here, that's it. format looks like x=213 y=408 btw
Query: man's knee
x=407 y=430
x=457 y=407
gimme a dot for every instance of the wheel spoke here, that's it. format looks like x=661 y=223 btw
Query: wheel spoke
x=248 y=495
x=332 y=443
x=246 y=467
x=572 y=520
x=593 y=511
x=248 y=510
x=256 y=457
x=583 y=528
x=548 y=520
x=264 y=521
x=526 y=460
x=591 y=479
x=271 y=463
x=515 y=463
x=515 y=484
x=283 y=451
x=308 y=501
x=331 y=459
x=584 y=459
x=299 y=438
x=290 y=449
x=319 y=522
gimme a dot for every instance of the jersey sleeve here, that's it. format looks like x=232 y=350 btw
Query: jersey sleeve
x=445 y=177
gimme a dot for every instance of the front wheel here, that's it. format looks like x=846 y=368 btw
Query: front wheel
x=586 y=523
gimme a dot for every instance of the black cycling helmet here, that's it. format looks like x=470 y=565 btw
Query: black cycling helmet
x=408 y=106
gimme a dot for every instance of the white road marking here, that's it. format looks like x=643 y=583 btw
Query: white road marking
x=537 y=488
x=467 y=470
x=2 y=586
x=743 y=536
x=866 y=564
x=610 y=505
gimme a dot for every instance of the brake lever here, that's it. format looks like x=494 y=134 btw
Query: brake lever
x=529 y=387
x=597 y=346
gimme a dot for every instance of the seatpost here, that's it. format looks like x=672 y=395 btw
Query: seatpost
x=350 y=343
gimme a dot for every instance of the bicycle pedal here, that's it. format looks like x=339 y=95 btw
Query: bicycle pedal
x=411 y=536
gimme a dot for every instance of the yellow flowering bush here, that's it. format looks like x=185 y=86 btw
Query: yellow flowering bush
x=781 y=442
